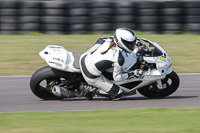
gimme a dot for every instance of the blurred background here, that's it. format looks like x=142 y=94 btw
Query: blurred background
x=98 y=16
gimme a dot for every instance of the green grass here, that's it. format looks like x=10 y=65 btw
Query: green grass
x=112 y=121
x=19 y=53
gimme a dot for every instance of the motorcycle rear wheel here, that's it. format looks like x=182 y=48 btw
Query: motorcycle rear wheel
x=170 y=82
x=39 y=83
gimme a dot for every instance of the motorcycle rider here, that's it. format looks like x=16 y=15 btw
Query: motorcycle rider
x=104 y=54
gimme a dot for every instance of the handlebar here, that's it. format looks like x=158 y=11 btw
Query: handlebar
x=141 y=46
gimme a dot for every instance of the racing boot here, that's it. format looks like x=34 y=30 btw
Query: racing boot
x=116 y=98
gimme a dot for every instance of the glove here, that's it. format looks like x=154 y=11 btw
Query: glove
x=136 y=73
x=138 y=42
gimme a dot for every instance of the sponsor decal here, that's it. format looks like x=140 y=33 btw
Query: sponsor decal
x=162 y=58
x=157 y=58
x=57 y=64
x=58 y=59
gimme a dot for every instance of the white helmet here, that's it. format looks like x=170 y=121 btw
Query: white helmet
x=125 y=38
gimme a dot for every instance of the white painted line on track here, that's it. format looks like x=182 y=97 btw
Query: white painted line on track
x=28 y=76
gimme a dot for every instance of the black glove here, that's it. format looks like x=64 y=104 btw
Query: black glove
x=138 y=42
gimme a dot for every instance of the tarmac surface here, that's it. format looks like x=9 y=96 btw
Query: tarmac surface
x=16 y=96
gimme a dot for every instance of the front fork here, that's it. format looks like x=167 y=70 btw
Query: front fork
x=159 y=84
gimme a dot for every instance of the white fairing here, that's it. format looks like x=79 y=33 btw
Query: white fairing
x=163 y=62
x=59 y=58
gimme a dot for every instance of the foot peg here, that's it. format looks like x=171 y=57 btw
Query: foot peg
x=87 y=90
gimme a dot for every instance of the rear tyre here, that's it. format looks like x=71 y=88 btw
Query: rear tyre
x=40 y=83
x=170 y=83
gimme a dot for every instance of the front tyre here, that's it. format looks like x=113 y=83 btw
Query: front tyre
x=40 y=83
x=170 y=83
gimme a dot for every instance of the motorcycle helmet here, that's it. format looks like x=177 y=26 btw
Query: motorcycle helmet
x=125 y=39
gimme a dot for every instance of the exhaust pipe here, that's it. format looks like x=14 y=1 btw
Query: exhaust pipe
x=62 y=92
x=56 y=91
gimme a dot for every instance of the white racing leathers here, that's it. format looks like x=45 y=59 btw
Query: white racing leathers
x=93 y=63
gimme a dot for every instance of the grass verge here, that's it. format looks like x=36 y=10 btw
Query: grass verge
x=113 y=121
x=19 y=53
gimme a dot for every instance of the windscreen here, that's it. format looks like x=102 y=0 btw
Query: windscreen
x=154 y=51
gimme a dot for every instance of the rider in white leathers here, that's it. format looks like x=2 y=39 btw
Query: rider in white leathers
x=105 y=54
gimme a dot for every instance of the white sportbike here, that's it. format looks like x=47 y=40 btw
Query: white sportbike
x=62 y=77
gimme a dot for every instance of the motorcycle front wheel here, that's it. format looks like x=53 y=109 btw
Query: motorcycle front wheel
x=170 y=85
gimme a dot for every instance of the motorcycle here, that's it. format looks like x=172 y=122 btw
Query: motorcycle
x=62 y=77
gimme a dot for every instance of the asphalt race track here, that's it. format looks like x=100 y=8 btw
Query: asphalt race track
x=16 y=96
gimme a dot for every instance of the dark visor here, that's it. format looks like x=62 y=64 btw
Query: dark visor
x=129 y=45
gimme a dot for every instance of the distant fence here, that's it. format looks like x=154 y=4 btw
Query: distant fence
x=69 y=17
